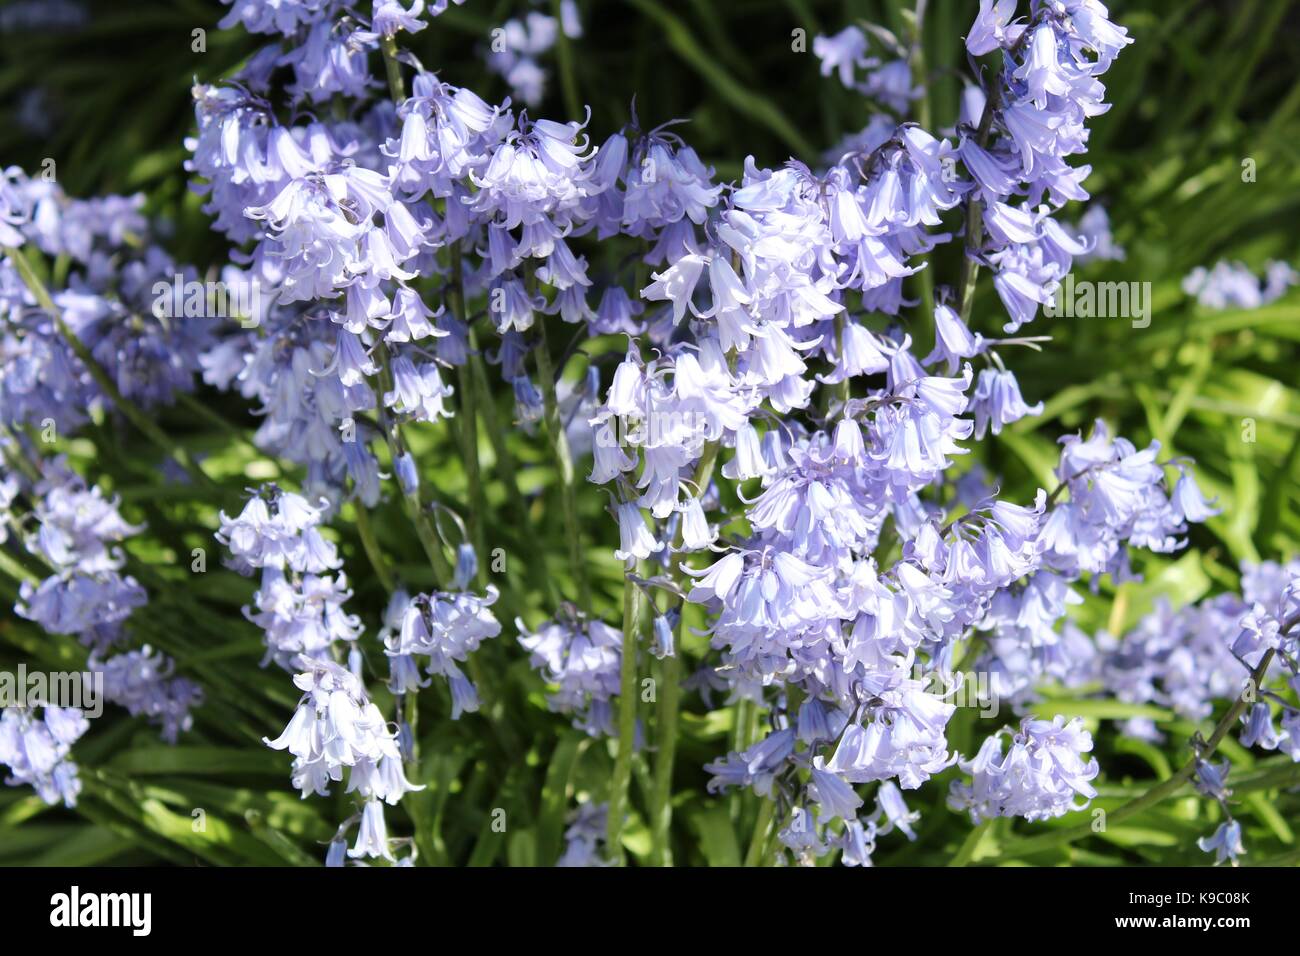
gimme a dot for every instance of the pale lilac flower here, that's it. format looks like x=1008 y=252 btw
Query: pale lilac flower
x=1225 y=844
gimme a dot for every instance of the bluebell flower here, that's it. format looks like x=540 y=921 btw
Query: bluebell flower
x=391 y=17
x=142 y=681
x=278 y=529
x=890 y=804
x=843 y=53
x=857 y=843
x=337 y=727
x=1212 y=780
x=585 y=836
x=1233 y=285
x=1259 y=730
x=903 y=739
x=1189 y=501
x=834 y=797
x=801 y=836
x=993 y=27
x=997 y=402
x=37 y=751
x=755 y=767
x=1225 y=844
x=372 y=836
x=1094 y=226
x=446 y=628
x=953 y=341
x=1041 y=776
x=582 y=659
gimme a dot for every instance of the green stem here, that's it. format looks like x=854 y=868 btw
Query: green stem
x=15 y=570
x=762 y=824
x=670 y=695
x=412 y=716
x=508 y=468
x=925 y=277
x=917 y=63
x=559 y=443
x=392 y=69
x=505 y=459
x=967 y=849
x=626 y=721
x=17 y=458
x=568 y=76
x=371 y=546
x=844 y=390
x=473 y=478
x=469 y=426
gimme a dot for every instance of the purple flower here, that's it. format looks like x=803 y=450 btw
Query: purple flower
x=1225 y=844
x=997 y=402
x=1041 y=776
x=993 y=27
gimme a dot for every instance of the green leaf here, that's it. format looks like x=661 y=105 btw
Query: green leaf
x=717 y=836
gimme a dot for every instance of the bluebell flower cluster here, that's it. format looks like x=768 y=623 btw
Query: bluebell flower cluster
x=1043 y=774
x=76 y=532
x=580 y=658
x=300 y=608
x=36 y=751
x=584 y=836
x=1232 y=285
x=109 y=299
x=446 y=629
x=405 y=240
x=399 y=236
x=888 y=82
x=335 y=728
x=1212 y=651
x=518 y=45
x=143 y=682
x=804 y=601
x=1023 y=134
x=108 y=309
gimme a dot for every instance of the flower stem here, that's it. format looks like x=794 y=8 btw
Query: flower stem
x=424 y=528
x=626 y=721
x=564 y=53
x=508 y=468
x=762 y=824
x=371 y=546
x=916 y=60
x=670 y=695
x=974 y=213
x=469 y=426
x=564 y=466
x=967 y=848
x=392 y=69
